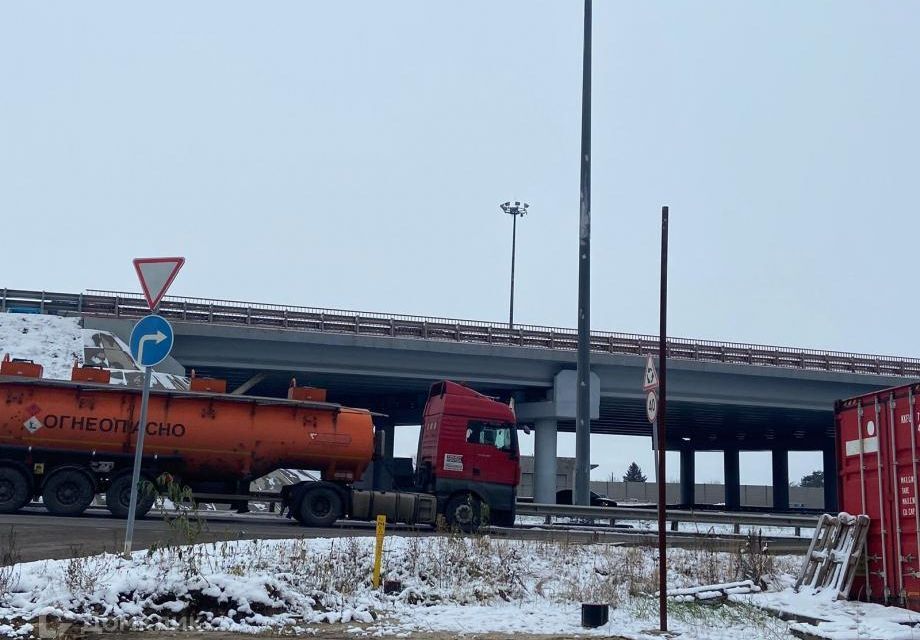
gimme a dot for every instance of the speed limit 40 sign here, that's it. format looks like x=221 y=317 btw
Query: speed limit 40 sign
x=651 y=406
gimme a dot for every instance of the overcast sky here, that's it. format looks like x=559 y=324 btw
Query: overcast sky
x=353 y=155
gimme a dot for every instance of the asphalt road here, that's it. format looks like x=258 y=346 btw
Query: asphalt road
x=38 y=535
x=33 y=534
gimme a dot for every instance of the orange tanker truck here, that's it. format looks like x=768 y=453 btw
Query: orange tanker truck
x=66 y=441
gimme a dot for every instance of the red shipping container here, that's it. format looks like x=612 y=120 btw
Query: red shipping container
x=877 y=453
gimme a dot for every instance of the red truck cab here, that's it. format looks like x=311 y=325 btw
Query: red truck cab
x=468 y=456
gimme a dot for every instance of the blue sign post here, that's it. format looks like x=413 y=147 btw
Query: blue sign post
x=151 y=341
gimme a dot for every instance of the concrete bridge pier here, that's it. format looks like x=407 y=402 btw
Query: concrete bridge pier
x=829 y=453
x=389 y=434
x=687 y=477
x=544 y=463
x=732 y=478
x=781 y=479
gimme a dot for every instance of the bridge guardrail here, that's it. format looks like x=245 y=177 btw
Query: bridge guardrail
x=674 y=516
x=228 y=312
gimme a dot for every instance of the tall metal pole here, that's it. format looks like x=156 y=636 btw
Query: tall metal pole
x=662 y=448
x=513 y=209
x=138 y=455
x=583 y=392
x=513 y=246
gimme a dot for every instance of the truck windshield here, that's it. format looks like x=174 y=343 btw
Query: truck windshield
x=494 y=434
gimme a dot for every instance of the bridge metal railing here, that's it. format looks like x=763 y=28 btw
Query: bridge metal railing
x=674 y=516
x=228 y=312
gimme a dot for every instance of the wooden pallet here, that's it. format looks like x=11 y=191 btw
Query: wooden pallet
x=836 y=547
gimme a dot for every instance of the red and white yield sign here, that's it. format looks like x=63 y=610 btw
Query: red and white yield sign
x=156 y=274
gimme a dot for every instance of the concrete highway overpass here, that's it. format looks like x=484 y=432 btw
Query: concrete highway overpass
x=722 y=396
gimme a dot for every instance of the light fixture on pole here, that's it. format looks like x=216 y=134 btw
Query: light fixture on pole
x=513 y=209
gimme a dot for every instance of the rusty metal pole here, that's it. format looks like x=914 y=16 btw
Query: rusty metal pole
x=662 y=448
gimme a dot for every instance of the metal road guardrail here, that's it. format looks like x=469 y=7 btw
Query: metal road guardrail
x=674 y=516
x=228 y=312
x=774 y=545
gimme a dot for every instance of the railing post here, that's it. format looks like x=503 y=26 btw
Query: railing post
x=357 y=324
x=552 y=339
x=41 y=305
x=520 y=337
x=185 y=310
x=425 y=329
x=285 y=318
x=249 y=315
x=117 y=308
x=392 y=328
x=457 y=332
x=827 y=361
x=490 y=334
x=80 y=303
x=210 y=313
x=322 y=321
x=610 y=344
x=3 y=301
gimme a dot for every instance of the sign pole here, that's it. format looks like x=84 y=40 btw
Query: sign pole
x=582 y=487
x=138 y=455
x=150 y=344
x=662 y=448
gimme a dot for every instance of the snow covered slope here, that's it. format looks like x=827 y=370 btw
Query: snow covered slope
x=50 y=341
x=55 y=342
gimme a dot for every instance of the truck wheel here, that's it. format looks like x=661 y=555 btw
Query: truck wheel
x=320 y=507
x=14 y=490
x=118 y=497
x=68 y=492
x=464 y=512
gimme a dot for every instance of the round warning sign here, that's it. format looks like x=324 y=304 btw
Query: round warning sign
x=651 y=406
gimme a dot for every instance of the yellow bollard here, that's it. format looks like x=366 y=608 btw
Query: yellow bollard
x=378 y=550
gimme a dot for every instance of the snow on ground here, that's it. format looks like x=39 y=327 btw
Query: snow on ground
x=50 y=341
x=838 y=620
x=448 y=583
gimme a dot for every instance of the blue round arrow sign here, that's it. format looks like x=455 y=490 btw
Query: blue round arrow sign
x=151 y=340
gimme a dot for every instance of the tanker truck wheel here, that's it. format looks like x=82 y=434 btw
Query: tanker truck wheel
x=320 y=507
x=464 y=512
x=68 y=492
x=118 y=497
x=14 y=490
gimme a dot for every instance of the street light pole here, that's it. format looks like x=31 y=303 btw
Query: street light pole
x=514 y=209
x=583 y=359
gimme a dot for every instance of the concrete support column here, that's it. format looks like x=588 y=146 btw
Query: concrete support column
x=544 y=461
x=780 y=480
x=688 y=477
x=389 y=431
x=732 y=479
x=830 y=478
